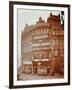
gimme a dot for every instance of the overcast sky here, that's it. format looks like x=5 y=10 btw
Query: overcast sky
x=26 y=16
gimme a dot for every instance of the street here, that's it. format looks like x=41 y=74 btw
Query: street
x=25 y=76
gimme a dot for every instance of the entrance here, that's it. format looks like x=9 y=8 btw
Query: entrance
x=40 y=62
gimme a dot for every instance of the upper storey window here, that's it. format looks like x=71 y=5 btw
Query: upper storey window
x=32 y=32
x=40 y=31
x=40 y=36
x=47 y=30
x=53 y=32
x=61 y=32
x=55 y=52
x=53 y=42
x=36 y=32
x=57 y=33
x=44 y=31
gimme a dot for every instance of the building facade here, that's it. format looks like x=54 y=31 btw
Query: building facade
x=43 y=43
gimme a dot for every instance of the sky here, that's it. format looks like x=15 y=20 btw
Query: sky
x=29 y=16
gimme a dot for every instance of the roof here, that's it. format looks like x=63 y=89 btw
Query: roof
x=42 y=23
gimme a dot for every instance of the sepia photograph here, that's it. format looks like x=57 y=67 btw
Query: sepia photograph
x=41 y=44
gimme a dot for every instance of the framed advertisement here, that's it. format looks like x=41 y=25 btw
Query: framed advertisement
x=39 y=44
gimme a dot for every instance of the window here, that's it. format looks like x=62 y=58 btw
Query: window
x=53 y=32
x=57 y=32
x=47 y=30
x=55 y=52
x=41 y=31
x=61 y=52
x=45 y=43
x=53 y=42
x=61 y=32
x=61 y=44
x=56 y=42
x=38 y=31
x=40 y=37
x=32 y=32
x=44 y=31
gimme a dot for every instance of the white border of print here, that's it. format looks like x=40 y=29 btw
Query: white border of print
x=49 y=81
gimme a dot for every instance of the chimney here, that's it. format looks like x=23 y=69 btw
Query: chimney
x=62 y=18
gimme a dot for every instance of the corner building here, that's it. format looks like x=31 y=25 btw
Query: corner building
x=42 y=43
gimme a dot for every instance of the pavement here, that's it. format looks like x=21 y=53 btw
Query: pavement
x=25 y=76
